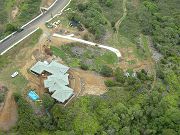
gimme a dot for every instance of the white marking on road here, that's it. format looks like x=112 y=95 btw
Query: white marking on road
x=53 y=17
x=39 y=15
x=32 y=20
x=60 y=12
x=18 y=41
x=66 y=5
x=114 y=50
x=8 y=36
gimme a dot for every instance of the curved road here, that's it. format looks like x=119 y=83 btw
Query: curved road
x=57 y=7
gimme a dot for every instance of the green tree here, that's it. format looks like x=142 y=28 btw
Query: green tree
x=106 y=71
x=11 y=28
x=48 y=101
x=110 y=83
x=119 y=75
x=84 y=66
x=85 y=124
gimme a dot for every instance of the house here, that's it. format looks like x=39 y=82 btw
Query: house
x=57 y=81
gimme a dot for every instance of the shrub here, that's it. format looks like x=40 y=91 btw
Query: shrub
x=10 y=28
x=84 y=66
x=106 y=71
x=48 y=101
x=110 y=83
x=27 y=123
x=119 y=76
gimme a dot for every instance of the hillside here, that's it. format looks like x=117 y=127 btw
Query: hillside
x=15 y=13
x=136 y=94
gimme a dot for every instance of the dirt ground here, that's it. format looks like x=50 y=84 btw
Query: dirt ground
x=135 y=3
x=47 y=3
x=87 y=82
x=128 y=56
x=14 y=12
x=8 y=115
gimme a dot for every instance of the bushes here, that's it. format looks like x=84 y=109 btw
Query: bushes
x=90 y=14
x=10 y=28
x=3 y=92
x=29 y=9
x=108 y=3
x=27 y=121
x=110 y=83
x=84 y=66
x=48 y=101
x=119 y=75
x=106 y=71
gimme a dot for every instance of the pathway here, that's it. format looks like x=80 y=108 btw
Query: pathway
x=114 y=50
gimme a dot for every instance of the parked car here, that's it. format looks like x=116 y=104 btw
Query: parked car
x=14 y=74
x=20 y=29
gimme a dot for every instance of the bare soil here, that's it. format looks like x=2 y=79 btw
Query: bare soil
x=14 y=12
x=128 y=55
x=8 y=116
x=47 y=3
x=135 y=3
x=87 y=82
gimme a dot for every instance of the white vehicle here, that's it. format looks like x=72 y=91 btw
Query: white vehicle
x=14 y=74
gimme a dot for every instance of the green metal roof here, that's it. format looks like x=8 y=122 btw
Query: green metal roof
x=56 y=83
x=39 y=67
x=63 y=94
x=53 y=68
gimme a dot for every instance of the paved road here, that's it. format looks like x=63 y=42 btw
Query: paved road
x=56 y=8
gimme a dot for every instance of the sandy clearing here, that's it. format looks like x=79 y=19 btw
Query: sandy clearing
x=90 y=82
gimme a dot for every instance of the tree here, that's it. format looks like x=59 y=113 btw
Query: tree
x=110 y=83
x=84 y=66
x=82 y=7
x=106 y=71
x=119 y=75
x=85 y=124
x=169 y=132
x=48 y=101
x=10 y=28
x=27 y=123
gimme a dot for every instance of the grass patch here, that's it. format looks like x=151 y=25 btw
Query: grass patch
x=58 y=52
x=12 y=61
x=28 y=9
x=75 y=54
x=130 y=27
x=116 y=13
x=131 y=62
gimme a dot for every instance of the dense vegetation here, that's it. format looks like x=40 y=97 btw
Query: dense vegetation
x=159 y=20
x=89 y=13
x=122 y=110
x=131 y=106
x=78 y=55
x=28 y=9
